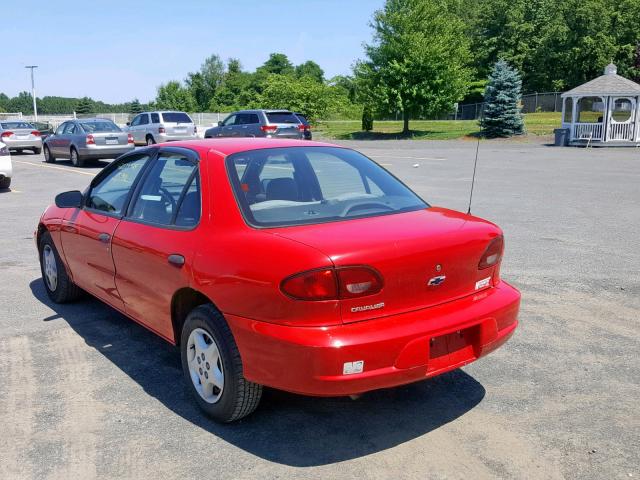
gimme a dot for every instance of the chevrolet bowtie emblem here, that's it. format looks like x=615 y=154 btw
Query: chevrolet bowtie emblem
x=435 y=281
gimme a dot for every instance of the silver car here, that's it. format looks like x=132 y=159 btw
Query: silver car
x=6 y=169
x=87 y=139
x=148 y=128
x=259 y=123
x=19 y=135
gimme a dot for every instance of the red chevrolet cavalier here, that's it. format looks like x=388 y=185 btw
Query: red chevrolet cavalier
x=296 y=265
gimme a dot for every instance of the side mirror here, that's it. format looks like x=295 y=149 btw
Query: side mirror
x=72 y=199
x=128 y=124
x=220 y=124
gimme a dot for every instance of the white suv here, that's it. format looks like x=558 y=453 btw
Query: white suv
x=6 y=170
x=148 y=128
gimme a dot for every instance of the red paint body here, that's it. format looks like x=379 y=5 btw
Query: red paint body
x=295 y=345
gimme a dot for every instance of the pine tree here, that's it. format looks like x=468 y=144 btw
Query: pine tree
x=135 y=107
x=367 y=118
x=502 y=96
x=84 y=105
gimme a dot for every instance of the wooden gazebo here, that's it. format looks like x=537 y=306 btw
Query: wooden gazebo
x=603 y=111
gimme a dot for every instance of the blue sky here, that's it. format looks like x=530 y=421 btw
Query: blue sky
x=117 y=50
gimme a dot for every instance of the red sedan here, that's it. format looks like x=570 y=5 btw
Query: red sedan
x=297 y=265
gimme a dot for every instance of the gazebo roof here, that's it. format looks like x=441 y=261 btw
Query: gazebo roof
x=608 y=84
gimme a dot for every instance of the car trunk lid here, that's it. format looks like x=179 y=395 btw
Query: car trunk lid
x=426 y=258
x=110 y=138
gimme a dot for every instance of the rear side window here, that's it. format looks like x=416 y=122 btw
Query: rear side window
x=155 y=118
x=246 y=119
x=170 y=183
x=302 y=185
x=176 y=117
x=282 y=117
x=144 y=119
x=110 y=194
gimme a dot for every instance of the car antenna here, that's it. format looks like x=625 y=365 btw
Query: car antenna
x=473 y=179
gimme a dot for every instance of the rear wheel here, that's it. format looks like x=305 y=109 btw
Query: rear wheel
x=19 y=151
x=213 y=368
x=5 y=183
x=47 y=155
x=37 y=151
x=150 y=140
x=57 y=283
x=75 y=158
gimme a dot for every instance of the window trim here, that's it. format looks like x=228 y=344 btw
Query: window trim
x=135 y=191
x=235 y=181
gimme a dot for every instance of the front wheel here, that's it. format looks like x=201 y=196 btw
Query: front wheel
x=59 y=286
x=213 y=368
x=47 y=155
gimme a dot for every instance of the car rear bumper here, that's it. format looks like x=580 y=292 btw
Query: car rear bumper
x=105 y=151
x=20 y=143
x=396 y=350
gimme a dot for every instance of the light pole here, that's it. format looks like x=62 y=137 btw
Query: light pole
x=33 y=92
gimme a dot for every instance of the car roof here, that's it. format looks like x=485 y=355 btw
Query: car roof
x=229 y=146
x=94 y=119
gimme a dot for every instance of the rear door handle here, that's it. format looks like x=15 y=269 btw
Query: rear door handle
x=175 y=259
x=104 y=237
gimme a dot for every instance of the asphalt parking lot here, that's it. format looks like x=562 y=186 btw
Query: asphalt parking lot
x=86 y=393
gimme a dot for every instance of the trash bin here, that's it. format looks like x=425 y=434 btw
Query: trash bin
x=562 y=137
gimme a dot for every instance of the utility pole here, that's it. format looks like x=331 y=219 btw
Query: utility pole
x=33 y=92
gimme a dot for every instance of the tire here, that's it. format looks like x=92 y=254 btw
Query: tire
x=5 y=183
x=48 y=157
x=150 y=140
x=37 y=151
x=238 y=397
x=63 y=289
x=19 y=151
x=75 y=158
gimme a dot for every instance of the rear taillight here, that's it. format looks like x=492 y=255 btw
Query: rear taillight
x=492 y=254
x=129 y=138
x=91 y=140
x=6 y=134
x=301 y=127
x=333 y=284
x=269 y=128
x=161 y=130
x=35 y=133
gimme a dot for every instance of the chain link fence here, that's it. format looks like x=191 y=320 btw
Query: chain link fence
x=531 y=103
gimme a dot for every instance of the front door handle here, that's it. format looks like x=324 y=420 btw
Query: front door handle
x=104 y=237
x=175 y=259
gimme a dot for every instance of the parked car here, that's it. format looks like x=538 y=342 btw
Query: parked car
x=6 y=169
x=149 y=128
x=304 y=267
x=19 y=135
x=45 y=129
x=306 y=126
x=87 y=139
x=258 y=123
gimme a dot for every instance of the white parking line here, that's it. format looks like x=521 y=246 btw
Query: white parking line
x=64 y=169
x=404 y=156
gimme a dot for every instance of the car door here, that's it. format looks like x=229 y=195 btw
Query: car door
x=54 y=142
x=252 y=127
x=134 y=128
x=86 y=233
x=226 y=129
x=154 y=244
x=143 y=128
x=64 y=142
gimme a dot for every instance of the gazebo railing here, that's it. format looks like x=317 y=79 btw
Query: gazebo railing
x=621 y=131
x=587 y=131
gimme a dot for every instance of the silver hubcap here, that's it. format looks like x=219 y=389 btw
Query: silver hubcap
x=205 y=365
x=74 y=157
x=46 y=153
x=50 y=268
x=149 y=141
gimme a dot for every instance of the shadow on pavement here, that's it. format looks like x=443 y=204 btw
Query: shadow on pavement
x=288 y=429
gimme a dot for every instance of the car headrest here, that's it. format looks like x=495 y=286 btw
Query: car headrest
x=282 y=189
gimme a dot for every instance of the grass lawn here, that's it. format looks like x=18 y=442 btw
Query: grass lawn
x=536 y=124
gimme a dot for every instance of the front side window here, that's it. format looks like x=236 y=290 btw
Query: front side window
x=70 y=129
x=169 y=185
x=110 y=193
x=230 y=120
x=144 y=119
x=61 y=128
x=303 y=185
x=136 y=121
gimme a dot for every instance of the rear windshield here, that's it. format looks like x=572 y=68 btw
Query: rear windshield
x=97 y=127
x=305 y=185
x=282 y=117
x=7 y=125
x=176 y=117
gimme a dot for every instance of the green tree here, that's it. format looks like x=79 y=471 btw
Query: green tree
x=418 y=60
x=203 y=84
x=501 y=115
x=367 y=119
x=310 y=69
x=22 y=103
x=173 y=96
x=296 y=94
x=135 y=107
x=278 y=63
x=84 y=106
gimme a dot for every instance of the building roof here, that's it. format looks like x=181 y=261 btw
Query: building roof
x=608 y=84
